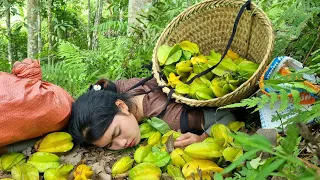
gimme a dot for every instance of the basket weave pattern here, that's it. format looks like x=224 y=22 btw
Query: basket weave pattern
x=209 y=24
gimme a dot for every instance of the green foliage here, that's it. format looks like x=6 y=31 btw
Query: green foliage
x=71 y=72
x=296 y=24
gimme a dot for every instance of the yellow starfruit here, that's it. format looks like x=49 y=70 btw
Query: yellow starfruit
x=231 y=153
x=173 y=80
x=235 y=125
x=165 y=137
x=199 y=59
x=189 y=46
x=60 y=173
x=231 y=54
x=179 y=157
x=55 y=142
x=174 y=171
x=43 y=161
x=24 y=171
x=82 y=172
x=203 y=150
x=221 y=131
x=10 y=159
x=145 y=171
x=206 y=167
x=123 y=165
x=154 y=138
x=141 y=153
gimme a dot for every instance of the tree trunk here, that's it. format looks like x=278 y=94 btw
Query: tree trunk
x=39 y=33
x=8 y=22
x=96 y=24
x=135 y=8
x=89 y=24
x=50 y=43
x=32 y=28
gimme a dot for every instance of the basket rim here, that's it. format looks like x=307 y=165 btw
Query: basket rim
x=191 y=11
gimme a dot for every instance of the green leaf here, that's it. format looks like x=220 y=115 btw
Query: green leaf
x=284 y=100
x=189 y=46
x=273 y=99
x=272 y=167
x=239 y=161
x=217 y=176
x=159 y=124
x=174 y=58
x=296 y=98
x=160 y=158
x=187 y=55
x=163 y=53
x=182 y=88
x=289 y=143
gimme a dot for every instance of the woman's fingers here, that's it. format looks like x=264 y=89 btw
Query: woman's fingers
x=186 y=139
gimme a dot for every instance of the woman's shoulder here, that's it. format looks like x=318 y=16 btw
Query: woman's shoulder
x=124 y=84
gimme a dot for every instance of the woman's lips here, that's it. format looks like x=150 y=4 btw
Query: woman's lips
x=132 y=143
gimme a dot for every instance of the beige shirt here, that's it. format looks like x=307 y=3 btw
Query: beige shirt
x=154 y=102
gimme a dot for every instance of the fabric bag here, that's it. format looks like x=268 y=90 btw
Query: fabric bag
x=30 y=107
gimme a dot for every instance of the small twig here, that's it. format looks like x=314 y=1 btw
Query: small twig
x=310 y=165
x=314 y=43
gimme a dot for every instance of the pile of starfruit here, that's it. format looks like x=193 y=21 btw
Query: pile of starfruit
x=197 y=161
x=45 y=162
x=184 y=60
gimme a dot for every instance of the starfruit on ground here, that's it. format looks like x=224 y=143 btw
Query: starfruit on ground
x=154 y=138
x=145 y=128
x=231 y=153
x=158 y=158
x=179 y=157
x=10 y=159
x=203 y=150
x=24 y=171
x=55 y=142
x=82 y=172
x=59 y=173
x=219 y=142
x=206 y=166
x=221 y=131
x=235 y=125
x=165 y=137
x=141 y=153
x=43 y=161
x=145 y=171
x=174 y=171
x=122 y=165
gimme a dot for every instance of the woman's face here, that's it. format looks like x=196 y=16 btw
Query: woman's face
x=122 y=133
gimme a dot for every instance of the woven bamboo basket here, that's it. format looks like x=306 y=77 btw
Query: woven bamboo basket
x=209 y=24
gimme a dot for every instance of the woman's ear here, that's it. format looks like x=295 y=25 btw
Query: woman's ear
x=122 y=106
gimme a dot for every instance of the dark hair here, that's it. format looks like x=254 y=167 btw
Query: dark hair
x=105 y=84
x=91 y=115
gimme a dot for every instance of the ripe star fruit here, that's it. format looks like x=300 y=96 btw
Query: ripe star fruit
x=123 y=165
x=145 y=171
x=82 y=172
x=24 y=171
x=60 y=173
x=55 y=142
x=206 y=167
x=43 y=161
x=10 y=159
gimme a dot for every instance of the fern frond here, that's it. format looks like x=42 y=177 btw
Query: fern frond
x=273 y=98
x=284 y=100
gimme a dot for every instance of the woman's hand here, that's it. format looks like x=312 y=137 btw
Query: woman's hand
x=189 y=138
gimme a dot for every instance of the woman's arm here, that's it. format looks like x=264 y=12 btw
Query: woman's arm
x=211 y=117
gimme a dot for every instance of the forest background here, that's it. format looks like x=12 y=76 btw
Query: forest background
x=79 y=41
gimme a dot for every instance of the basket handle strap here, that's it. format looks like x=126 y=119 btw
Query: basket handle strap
x=245 y=6
x=184 y=123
